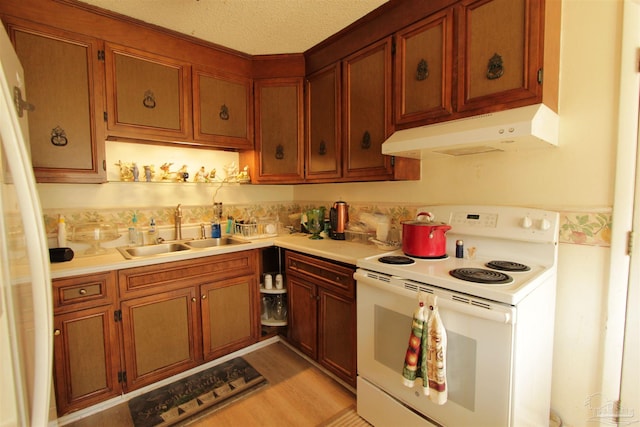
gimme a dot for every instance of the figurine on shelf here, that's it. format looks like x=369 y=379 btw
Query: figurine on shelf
x=165 y=174
x=136 y=172
x=182 y=174
x=212 y=175
x=232 y=172
x=243 y=177
x=148 y=172
x=126 y=173
x=201 y=175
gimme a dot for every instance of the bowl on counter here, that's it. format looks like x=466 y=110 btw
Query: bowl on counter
x=94 y=233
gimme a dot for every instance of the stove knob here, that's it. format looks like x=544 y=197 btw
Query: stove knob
x=545 y=224
x=526 y=222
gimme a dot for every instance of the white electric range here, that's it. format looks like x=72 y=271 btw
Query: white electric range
x=500 y=334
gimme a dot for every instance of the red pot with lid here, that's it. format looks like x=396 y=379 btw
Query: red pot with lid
x=424 y=238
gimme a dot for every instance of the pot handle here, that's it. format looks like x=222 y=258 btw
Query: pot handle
x=428 y=216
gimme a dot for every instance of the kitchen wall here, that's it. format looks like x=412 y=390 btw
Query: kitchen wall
x=576 y=178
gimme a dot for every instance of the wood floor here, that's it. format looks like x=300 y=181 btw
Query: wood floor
x=297 y=394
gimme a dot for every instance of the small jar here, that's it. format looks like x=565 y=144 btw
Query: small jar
x=268 y=281
x=279 y=281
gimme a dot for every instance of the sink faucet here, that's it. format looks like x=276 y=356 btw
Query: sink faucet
x=178 y=221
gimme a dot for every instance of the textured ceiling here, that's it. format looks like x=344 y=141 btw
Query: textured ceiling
x=256 y=27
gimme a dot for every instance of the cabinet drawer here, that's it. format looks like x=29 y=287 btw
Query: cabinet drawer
x=174 y=275
x=79 y=292
x=326 y=273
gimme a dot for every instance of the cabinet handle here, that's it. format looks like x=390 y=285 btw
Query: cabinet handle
x=82 y=291
x=224 y=112
x=149 y=100
x=194 y=299
x=366 y=140
x=204 y=296
x=56 y=332
x=423 y=70
x=279 y=152
x=322 y=150
x=59 y=137
x=495 y=69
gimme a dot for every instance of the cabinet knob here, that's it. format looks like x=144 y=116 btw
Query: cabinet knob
x=204 y=296
x=82 y=291
x=56 y=332
x=194 y=299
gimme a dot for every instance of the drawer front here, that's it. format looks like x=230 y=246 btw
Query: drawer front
x=328 y=274
x=174 y=275
x=73 y=293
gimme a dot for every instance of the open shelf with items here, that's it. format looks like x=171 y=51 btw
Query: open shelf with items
x=273 y=298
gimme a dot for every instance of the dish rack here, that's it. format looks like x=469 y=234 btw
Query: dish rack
x=260 y=229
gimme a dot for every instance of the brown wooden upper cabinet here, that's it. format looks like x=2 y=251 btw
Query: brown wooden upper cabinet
x=424 y=69
x=279 y=134
x=63 y=79
x=148 y=96
x=499 y=53
x=323 y=145
x=222 y=109
x=367 y=111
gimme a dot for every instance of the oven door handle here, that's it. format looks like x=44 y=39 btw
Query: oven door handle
x=446 y=300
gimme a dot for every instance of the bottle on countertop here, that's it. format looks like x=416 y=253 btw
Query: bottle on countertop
x=153 y=231
x=215 y=228
x=62 y=232
x=134 y=233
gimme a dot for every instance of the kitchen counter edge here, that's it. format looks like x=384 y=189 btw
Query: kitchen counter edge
x=335 y=250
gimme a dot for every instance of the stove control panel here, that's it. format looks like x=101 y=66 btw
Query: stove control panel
x=485 y=220
x=505 y=222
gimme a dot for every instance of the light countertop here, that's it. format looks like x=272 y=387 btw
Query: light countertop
x=336 y=250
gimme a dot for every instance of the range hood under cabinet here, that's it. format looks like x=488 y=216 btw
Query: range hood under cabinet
x=524 y=128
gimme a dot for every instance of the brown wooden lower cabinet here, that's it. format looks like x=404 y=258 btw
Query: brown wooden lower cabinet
x=159 y=336
x=85 y=345
x=230 y=315
x=322 y=312
x=167 y=318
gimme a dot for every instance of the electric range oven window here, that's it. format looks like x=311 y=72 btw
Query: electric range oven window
x=390 y=341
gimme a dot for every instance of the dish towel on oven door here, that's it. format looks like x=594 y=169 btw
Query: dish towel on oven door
x=427 y=351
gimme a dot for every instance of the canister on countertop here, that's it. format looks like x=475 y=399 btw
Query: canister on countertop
x=459 y=249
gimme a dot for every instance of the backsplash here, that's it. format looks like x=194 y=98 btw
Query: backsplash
x=581 y=228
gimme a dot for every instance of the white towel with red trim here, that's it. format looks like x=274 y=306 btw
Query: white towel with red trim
x=427 y=351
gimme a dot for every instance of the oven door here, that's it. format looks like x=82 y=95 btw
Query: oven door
x=478 y=363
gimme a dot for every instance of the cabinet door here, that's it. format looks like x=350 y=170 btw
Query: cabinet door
x=63 y=80
x=302 y=315
x=159 y=336
x=279 y=130
x=222 y=110
x=148 y=96
x=323 y=147
x=424 y=61
x=86 y=358
x=230 y=319
x=367 y=109
x=337 y=334
x=499 y=53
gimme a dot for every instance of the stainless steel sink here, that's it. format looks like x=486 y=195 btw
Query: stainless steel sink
x=211 y=243
x=152 y=250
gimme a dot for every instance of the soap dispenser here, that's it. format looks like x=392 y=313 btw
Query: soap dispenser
x=153 y=232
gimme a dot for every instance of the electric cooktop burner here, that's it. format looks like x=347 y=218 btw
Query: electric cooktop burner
x=507 y=266
x=396 y=259
x=480 y=275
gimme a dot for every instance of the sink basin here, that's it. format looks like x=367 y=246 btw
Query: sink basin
x=152 y=250
x=211 y=243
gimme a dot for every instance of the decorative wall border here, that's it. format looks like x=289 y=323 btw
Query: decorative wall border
x=578 y=228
